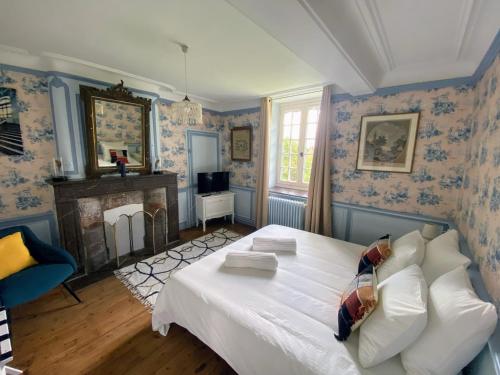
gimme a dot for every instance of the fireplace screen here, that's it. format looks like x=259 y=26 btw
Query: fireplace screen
x=122 y=228
x=130 y=230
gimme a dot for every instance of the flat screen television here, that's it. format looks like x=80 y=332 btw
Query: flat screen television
x=213 y=182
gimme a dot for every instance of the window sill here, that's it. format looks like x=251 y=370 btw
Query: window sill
x=288 y=191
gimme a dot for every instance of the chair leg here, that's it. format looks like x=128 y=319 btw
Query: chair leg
x=72 y=292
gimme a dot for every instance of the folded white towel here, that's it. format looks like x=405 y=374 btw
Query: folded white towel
x=274 y=244
x=251 y=259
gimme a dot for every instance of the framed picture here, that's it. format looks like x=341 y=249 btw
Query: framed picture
x=387 y=142
x=11 y=141
x=241 y=143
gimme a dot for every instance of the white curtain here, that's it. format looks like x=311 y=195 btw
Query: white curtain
x=319 y=210
x=262 y=190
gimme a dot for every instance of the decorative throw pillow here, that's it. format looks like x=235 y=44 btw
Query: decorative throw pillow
x=398 y=320
x=406 y=250
x=459 y=325
x=376 y=253
x=118 y=155
x=14 y=255
x=357 y=302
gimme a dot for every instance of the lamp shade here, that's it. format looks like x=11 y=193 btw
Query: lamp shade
x=187 y=112
x=431 y=231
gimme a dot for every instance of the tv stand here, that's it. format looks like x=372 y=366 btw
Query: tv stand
x=211 y=206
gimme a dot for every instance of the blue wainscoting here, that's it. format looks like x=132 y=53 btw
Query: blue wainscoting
x=43 y=225
x=361 y=224
x=244 y=207
x=183 y=209
x=353 y=223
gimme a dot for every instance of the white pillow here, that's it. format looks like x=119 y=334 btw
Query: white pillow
x=106 y=146
x=442 y=255
x=458 y=327
x=399 y=318
x=406 y=250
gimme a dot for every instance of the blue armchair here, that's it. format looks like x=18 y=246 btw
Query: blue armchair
x=54 y=267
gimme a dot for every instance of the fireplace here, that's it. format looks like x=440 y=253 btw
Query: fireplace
x=87 y=209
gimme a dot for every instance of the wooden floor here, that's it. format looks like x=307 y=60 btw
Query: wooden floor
x=109 y=333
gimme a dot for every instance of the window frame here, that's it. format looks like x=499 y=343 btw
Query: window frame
x=303 y=106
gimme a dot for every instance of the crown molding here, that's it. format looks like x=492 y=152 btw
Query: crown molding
x=47 y=63
x=326 y=31
x=375 y=29
x=468 y=20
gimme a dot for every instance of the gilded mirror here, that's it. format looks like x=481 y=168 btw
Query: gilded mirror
x=117 y=125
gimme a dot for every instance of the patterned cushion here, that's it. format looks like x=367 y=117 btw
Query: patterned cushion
x=357 y=302
x=376 y=253
x=118 y=155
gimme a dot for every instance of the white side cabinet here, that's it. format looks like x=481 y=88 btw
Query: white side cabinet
x=214 y=205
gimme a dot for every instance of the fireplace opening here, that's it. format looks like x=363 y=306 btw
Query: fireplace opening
x=121 y=229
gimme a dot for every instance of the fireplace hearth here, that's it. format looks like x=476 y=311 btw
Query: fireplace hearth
x=81 y=205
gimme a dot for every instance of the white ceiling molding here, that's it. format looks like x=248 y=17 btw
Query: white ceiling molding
x=468 y=19
x=55 y=57
x=238 y=105
x=48 y=62
x=312 y=91
x=424 y=72
x=370 y=85
x=242 y=50
x=231 y=58
x=376 y=32
x=311 y=42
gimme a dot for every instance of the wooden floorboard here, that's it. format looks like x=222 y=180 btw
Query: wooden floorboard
x=109 y=333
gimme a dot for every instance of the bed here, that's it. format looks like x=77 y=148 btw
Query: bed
x=271 y=323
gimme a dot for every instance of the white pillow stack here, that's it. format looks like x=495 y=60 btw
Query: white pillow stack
x=459 y=325
x=406 y=250
x=443 y=255
x=437 y=329
x=400 y=317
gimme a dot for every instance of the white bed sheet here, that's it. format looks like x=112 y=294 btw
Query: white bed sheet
x=262 y=322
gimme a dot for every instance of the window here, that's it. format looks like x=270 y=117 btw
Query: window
x=298 y=123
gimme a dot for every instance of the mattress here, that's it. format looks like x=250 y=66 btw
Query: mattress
x=263 y=322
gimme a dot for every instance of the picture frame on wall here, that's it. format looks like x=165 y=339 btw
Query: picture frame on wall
x=387 y=142
x=241 y=143
x=11 y=140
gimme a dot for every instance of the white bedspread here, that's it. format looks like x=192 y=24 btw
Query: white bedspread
x=270 y=323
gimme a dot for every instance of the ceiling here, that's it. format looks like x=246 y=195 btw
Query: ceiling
x=244 y=49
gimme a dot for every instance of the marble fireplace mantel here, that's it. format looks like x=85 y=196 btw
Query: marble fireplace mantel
x=68 y=194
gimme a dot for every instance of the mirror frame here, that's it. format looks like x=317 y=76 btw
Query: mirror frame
x=121 y=95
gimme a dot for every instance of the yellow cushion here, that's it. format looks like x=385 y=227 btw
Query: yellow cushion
x=14 y=255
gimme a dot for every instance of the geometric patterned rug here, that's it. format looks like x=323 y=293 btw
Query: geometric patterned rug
x=145 y=279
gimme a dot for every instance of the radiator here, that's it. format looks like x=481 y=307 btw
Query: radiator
x=286 y=212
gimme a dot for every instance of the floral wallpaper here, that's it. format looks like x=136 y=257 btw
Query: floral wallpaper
x=456 y=170
x=173 y=148
x=241 y=173
x=478 y=207
x=173 y=143
x=117 y=122
x=432 y=187
x=23 y=190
